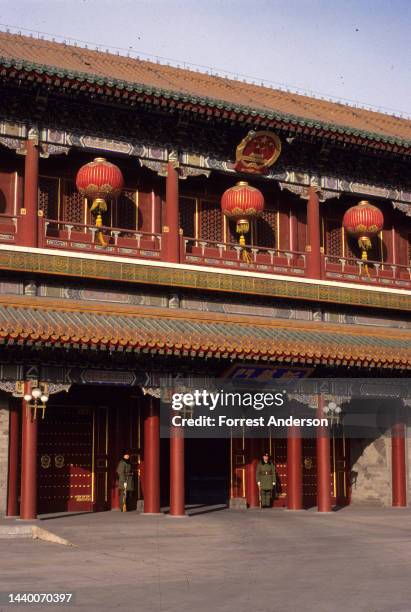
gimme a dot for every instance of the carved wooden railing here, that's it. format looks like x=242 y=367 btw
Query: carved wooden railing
x=367 y=272
x=62 y=235
x=106 y=240
x=230 y=255
x=8 y=229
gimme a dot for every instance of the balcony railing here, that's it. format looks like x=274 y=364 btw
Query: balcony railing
x=230 y=255
x=117 y=241
x=8 y=229
x=367 y=272
x=107 y=240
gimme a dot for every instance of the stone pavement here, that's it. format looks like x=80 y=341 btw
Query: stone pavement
x=357 y=559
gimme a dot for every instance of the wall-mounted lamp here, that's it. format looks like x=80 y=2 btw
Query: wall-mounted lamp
x=37 y=399
x=333 y=412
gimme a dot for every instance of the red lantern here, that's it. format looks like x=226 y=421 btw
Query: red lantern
x=242 y=203
x=363 y=221
x=99 y=180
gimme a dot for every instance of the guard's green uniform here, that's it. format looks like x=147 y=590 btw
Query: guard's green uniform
x=265 y=475
x=125 y=475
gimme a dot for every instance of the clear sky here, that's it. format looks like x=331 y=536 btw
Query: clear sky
x=350 y=49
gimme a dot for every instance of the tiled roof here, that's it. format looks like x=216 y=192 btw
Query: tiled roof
x=43 y=322
x=27 y=52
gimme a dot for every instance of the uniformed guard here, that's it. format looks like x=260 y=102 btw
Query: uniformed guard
x=266 y=479
x=125 y=480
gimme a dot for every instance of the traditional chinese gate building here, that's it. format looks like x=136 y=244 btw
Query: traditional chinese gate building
x=100 y=299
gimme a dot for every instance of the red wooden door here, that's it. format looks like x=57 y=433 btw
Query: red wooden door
x=340 y=469
x=100 y=492
x=279 y=451
x=65 y=459
x=309 y=472
x=73 y=459
x=238 y=468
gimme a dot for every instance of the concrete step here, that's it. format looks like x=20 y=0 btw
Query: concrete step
x=34 y=532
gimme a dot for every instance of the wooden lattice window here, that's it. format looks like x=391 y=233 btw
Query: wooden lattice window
x=48 y=197
x=376 y=251
x=187 y=216
x=266 y=229
x=333 y=238
x=127 y=210
x=232 y=235
x=403 y=246
x=211 y=221
x=301 y=216
x=73 y=203
x=351 y=247
x=7 y=192
x=409 y=250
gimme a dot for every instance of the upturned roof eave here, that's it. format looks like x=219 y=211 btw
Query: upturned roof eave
x=219 y=104
x=46 y=322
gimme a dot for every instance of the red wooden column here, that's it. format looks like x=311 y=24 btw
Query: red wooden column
x=292 y=221
x=152 y=457
x=13 y=494
x=28 y=220
x=177 y=493
x=313 y=235
x=28 y=503
x=115 y=454
x=393 y=251
x=171 y=236
x=253 y=500
x=323 y=463
x=399 y=489
x=294 y=469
